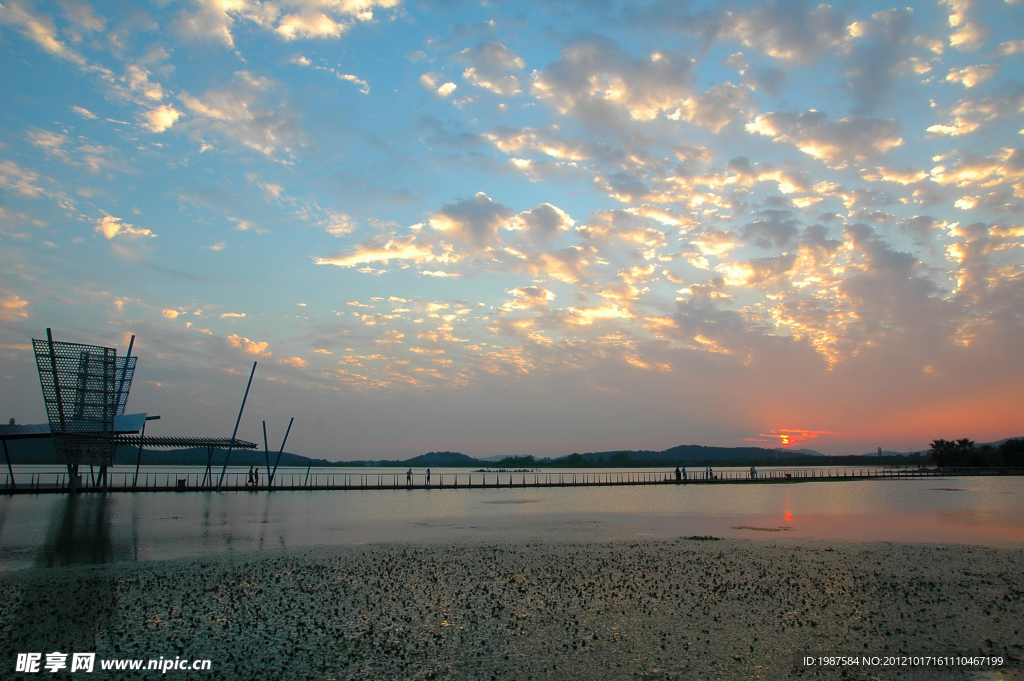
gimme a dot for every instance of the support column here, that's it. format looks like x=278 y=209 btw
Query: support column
x=72 y=475
x=138 y=460
x=9 y=469
x=209 y=462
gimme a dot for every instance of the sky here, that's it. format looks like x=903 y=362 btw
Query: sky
x=523 y=228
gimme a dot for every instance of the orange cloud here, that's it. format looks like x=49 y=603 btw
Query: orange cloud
x=792 y=436
x=246 y=345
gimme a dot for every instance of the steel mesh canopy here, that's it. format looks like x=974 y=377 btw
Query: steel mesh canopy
x=125 y=374
x=79 y=385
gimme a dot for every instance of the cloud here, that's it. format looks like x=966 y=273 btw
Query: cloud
x=716 y=108
x=488 y=65
x=971 y=114
x=248 y=346
x=970 y=37
x=410 y=247
x=110 y=227
x=714 y=243
x=1010 y=47
x=904 y=176
x=988 y=274
x=430 y=80
x=529 y=297
x=922 y=228
x=161 y=118
x=363 y=86
x=38 y=29
x=985 y=171
x=759 y=271
x=84 y=113
x=136 y=78
x=244 y=112
x=18 y=179
x=970 y=76
x=547 y=142
x=877 y=54
x=234 y=315
x=542 y=222
x=50 y=142
x=595 y=80
x=585 y=316
x=788 y=31
x=170 y=314
x=296 y=362
x=13 y=308
x=83 y=15
x=288 y=19
x=837 y=142
x=475 y=220
x=776 y=229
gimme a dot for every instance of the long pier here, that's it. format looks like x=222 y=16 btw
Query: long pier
x=55 y=482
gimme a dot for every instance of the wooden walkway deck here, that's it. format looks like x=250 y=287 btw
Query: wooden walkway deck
x=52 y=482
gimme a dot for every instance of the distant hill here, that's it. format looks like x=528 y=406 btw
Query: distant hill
x=698 y=453
x=40 y=451
x=436 y=459
x=999 y=442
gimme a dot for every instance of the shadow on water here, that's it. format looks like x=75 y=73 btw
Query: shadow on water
x=69 y=611
x=79 y=532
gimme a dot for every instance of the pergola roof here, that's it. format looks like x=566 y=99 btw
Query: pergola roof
x=180 y=442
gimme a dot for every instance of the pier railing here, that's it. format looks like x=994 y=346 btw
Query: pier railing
x=122 y=481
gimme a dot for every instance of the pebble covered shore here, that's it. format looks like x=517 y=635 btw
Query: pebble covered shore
x=681 y=609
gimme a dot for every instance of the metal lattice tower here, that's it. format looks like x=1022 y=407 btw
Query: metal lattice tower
x=80 y=391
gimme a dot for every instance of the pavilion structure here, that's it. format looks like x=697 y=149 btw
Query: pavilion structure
x=85 y=391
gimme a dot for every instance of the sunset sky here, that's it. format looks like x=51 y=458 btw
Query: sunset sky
x=523 y=228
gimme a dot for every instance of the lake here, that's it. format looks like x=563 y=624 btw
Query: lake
x=55 y=529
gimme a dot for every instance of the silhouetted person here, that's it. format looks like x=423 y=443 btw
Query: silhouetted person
x=256 y=477
x=408 y=478
x=428 y=476
x=679 y=475
x=248 y=480
x=684 y=472
x=753 y=472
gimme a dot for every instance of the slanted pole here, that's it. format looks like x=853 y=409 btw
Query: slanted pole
x=232 y=443
x=266 y=451
x=60 y=406
x=124 y=372
x=281 y=450
x=138 y=460
x=9 y=469
x=56 y=381
x=306 y=484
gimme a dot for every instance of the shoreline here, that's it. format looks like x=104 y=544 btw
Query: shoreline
x=530 y=608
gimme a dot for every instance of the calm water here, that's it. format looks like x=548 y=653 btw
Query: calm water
x=52 y=530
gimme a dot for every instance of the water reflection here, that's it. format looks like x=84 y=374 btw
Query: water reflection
x=55 y=530
x=79 y=532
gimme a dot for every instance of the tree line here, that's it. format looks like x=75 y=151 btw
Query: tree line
x=964 y=453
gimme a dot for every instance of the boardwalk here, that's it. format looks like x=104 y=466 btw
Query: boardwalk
x=52 y=482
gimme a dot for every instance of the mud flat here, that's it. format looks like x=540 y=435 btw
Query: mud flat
x=525 y=609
